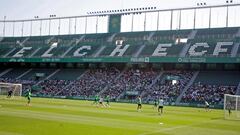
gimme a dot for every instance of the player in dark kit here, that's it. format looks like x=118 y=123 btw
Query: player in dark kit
x=108 y=101
x=10 y=92
x=155 y=104
x=229 y=107
x=139 y=102
x=28 y=95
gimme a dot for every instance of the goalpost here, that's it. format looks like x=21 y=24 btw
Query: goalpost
x=232 y=107
x=6 y=87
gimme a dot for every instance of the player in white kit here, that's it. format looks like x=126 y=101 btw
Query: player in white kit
x=101 y=102
x=206 y=106
x=160 y=106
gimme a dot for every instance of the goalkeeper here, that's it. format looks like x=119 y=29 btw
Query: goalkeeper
x=10 y=92
x=229 y=107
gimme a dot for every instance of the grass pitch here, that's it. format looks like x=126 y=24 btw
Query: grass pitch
x=73 y=117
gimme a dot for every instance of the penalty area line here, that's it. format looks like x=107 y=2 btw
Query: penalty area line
x=177 y=127
x=162 y=130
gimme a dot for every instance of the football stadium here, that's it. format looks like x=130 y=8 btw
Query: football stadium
x=129 y=69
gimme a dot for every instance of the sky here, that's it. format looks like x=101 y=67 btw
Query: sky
x=27 y=9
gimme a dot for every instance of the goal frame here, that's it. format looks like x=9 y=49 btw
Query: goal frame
x=235 y=113
x=3 y=84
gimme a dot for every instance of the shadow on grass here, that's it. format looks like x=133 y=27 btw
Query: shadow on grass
x=217 y=118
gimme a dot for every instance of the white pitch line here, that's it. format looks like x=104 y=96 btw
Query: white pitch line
x=162 y=130
x=177 y=127
x=9 y=133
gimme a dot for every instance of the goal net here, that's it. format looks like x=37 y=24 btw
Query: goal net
x=232 y=107
x=14 y=89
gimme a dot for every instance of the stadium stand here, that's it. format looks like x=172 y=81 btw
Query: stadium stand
x=90 y=83
x=132 y=38
x=32 y=75
x=67 y=74
x=125 y=83
x=174 y=50
x=164 y=87
x=129 y=52
x=72 y=82
x=210 y=87
x=94 y=48
x=52 y=87
x=169 y=36
x=66 y=45
x=216 y=34
x=212 y=77
x=131 y=80
x=198 y=93
x=14 y=73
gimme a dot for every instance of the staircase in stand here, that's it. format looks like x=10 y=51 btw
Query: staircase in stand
x=110 y=39
x=150 y=36
x=238 y=89
x=235 y=50
x=139 y=50
x=5 y=72
x=184 y=50
x=153 y=82
x=80 y=39
x=56 y=71
x=192 y=34
x=187 y=87
x=1 y=39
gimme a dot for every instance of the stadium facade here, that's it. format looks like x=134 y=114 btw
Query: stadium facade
x=81 y=64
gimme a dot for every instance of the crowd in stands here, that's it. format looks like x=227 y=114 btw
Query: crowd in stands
x=90 y=83
x=214 y=94
x=52 y=87
x=130 y=80
x=166 y=89
x=115 y=83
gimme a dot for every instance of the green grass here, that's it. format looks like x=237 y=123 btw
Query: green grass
x=73 y=117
